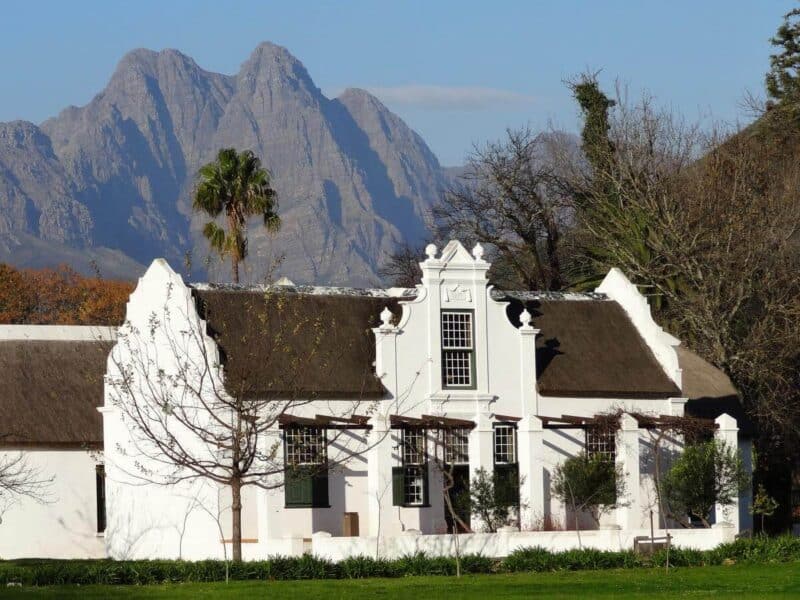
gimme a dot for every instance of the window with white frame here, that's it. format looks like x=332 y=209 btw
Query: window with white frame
x=505 y=444
x=458 y=350
x=415 y=468
x=456 y=446
x=305 y=446
x=305 y=467
x=601 y=442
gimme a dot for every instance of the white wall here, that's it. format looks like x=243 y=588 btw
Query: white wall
x=66 y=525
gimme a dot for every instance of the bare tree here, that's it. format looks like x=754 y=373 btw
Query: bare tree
x=189 y=420
x=402 y=267
x=506 y=200
x=19 y=479
x=707 y=221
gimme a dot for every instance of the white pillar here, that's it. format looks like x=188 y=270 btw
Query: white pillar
x=531 y=469
x=379 y=476
x=481 y=451
x=629 y=516
x=728 y=432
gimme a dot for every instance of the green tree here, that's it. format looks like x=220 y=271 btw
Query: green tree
x=491 y=501
x=588 y=483
x=237 y=185
x=783 y=79
x=764 y=505
x=705 y=474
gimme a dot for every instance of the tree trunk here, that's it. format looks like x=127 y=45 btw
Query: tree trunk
x=235 y=269
x=236 y=515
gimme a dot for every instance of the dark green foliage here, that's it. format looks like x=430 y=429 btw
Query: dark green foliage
x=595 y=107
x=494 y=497
x=757 y=550
x=704 y=475
x=783 y=79
x=590 y=483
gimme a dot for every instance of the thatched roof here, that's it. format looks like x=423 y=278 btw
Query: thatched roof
x=590 y=348
x=710 y=391
x=296 y=344
x=50 y=391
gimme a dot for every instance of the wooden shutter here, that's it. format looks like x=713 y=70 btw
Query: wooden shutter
x=319 y=491
x=398 y=486
x=298 y=487
x=506 y=484
x=100 y=488
x=426 y=501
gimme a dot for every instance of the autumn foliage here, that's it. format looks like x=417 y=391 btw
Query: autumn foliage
x=60 y=296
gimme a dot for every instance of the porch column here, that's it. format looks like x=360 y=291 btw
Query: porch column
x=533 y=490
x=379 y=476
x=481 y=451
x=629 y=516
x=728 y=432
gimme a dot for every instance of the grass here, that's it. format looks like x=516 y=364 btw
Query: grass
x=743 y=581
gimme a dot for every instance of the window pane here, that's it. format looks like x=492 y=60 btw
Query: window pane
x=457 y=367
x=305 y=446
x=413 y=446
x=457 y=330
x=505 y=444
x=601 y=442
x=456 y=446
x=414 y=490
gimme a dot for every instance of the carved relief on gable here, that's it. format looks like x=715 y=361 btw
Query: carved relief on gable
x=456 y=293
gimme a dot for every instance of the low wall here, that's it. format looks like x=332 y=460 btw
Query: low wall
x=497 y=544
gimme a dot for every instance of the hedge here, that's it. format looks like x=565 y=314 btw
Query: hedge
x=144 y=572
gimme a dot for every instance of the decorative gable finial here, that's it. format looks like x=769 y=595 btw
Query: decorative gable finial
x=386 y=318
x=430 y=251
x=477 y=252
x=525 y=318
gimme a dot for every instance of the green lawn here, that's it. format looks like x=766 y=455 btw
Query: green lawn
x=743 y=581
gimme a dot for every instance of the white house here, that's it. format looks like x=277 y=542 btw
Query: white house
x=515 y=382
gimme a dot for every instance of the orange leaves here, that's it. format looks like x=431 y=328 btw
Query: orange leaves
x=60 y=296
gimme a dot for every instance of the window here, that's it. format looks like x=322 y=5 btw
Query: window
x=456 y=446
x=410 y=481
x=601 y=442
x=305 y=446
x=100 y=490
x=506 y=469
x=505 y=444
x=305 y=467
x=458 y=350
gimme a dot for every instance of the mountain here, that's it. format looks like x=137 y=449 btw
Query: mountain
x=112 y=181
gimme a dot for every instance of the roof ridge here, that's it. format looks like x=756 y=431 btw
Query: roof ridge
x=313 y=290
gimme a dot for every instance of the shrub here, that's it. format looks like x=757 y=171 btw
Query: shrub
x=760 y=549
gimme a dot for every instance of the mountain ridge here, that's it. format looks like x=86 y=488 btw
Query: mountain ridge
x=117 y=173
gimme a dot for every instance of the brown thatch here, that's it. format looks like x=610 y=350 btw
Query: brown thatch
x=296 y=345
x=710 y=391
x=50 y=391
x=590 y=348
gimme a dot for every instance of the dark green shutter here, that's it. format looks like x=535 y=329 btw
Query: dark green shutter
x=506 y=484
x=398 y=486
x=320 y=489
x=298 y=487
x=426 y=501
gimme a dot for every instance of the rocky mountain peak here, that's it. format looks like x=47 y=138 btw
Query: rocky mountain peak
x=353 y=179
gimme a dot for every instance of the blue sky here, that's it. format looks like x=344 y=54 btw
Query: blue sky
x=459 y=72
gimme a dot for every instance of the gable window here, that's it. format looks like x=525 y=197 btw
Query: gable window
x=506 y=467
x=458 y=350
x=100 y=491
x=410 y=480
x=306 y=467
x=602 y=443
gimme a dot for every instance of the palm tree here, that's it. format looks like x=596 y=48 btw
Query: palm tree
x=236 y=184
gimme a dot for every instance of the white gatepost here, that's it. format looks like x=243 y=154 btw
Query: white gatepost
x=531 y=470
x=629 y=512
x=728 y=432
